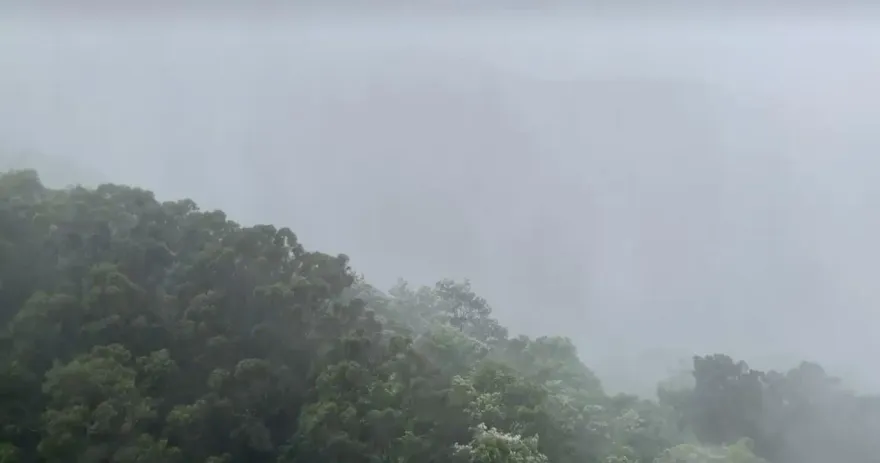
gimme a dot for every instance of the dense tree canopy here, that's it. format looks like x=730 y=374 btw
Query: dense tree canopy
x=141 y=331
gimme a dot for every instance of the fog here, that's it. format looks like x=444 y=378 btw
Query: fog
x=652 y=188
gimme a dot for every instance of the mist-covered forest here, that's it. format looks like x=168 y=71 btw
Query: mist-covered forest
x=668 y=225
x=648 y=187
x=138 y=329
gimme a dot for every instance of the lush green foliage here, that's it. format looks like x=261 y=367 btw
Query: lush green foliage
x=145 y=331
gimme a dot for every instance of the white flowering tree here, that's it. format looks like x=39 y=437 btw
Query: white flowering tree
x=490 y=445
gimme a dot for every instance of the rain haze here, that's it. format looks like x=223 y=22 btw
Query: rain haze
x=652 y=188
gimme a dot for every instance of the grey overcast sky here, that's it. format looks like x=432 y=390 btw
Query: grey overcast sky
x=652 y=188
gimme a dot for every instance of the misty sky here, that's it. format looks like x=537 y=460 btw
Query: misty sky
x=652 y=189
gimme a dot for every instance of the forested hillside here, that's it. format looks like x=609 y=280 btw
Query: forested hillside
x=137 y=330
